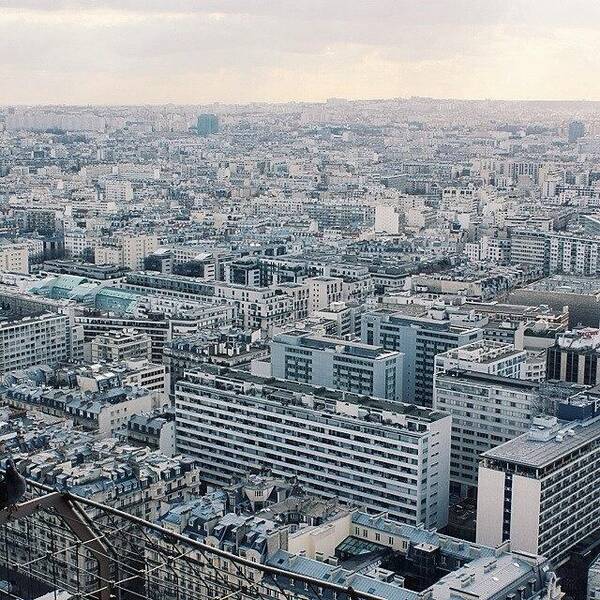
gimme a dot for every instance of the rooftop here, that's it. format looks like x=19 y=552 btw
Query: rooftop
x=303 y=395
x=307 y=339
x=546 y=442
x=483 y=352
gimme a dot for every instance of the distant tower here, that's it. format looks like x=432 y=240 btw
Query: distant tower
x=207 y=124
x=576 y=131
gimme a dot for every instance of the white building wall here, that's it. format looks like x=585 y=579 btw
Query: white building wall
x=525 y=514
x=490 y=506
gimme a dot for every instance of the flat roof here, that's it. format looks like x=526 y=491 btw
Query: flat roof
x=524 y=450
x=478 y=377
x=413 y=410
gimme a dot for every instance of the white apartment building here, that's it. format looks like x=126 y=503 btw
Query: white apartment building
x=118 y=191
x=574 y=255
x=35 y=248
x=107 y=417
x=387 y=456
x=562 y=253
x=78 y=241
x=108 y=255
x=388 y=219
x=323 y=291
x=484 y=356
x=120 y=345
x=266 y=307
x=38 y=339
x=487 y=410
x=14 y=258
x=146 y=374
x=126 y=250
x=496 y=250
x=135 y=248
x=540 y=490
x=298 y=355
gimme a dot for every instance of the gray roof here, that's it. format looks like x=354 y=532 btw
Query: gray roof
x=536 y=453
x=331 y=574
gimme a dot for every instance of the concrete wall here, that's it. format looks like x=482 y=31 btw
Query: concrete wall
x=490 y=506
x=525 y=514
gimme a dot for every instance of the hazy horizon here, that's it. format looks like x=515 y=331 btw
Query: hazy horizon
x=261 y=51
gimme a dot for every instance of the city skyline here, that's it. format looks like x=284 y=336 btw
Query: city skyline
x=187 y=52
x=299 y=300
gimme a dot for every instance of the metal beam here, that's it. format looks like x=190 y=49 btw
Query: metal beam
x=25 y=509
x=63 y=507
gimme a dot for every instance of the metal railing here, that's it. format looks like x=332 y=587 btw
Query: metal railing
x=72 y=547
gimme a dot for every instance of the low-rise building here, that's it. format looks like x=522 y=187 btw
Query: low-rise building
x=118 y=346
x=14 y=257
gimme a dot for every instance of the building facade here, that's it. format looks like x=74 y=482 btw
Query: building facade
x=420 y=338
x=540 y=490
x=386 y=456
x=335 y=363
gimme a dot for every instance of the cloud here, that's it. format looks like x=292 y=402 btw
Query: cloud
x=243 y=50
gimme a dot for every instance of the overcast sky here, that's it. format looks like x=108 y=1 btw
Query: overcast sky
x=198 y=51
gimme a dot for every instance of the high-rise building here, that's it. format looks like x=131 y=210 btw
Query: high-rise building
x=387 y=456
x=420 y=336
x=576 y=130
x=207 y=124
x=335 y=363
x=487 y=410
x=540 y=490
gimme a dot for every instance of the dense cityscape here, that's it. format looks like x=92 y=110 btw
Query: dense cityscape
x=353 y=345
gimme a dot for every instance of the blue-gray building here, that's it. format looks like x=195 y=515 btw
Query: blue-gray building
x=419 y=335
x=207 y=124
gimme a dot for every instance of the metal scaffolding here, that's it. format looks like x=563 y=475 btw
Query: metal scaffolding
x=72 y=547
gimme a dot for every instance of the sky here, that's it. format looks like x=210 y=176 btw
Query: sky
x=238 y=51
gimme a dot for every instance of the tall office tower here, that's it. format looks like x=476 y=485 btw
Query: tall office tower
x=207 y=124
x=576 y=130
x=541 y=490
x=335 y=363
x=387 y=456
x=487 y=410
x=35 y=339
x=420 y=336
x=575 y=357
